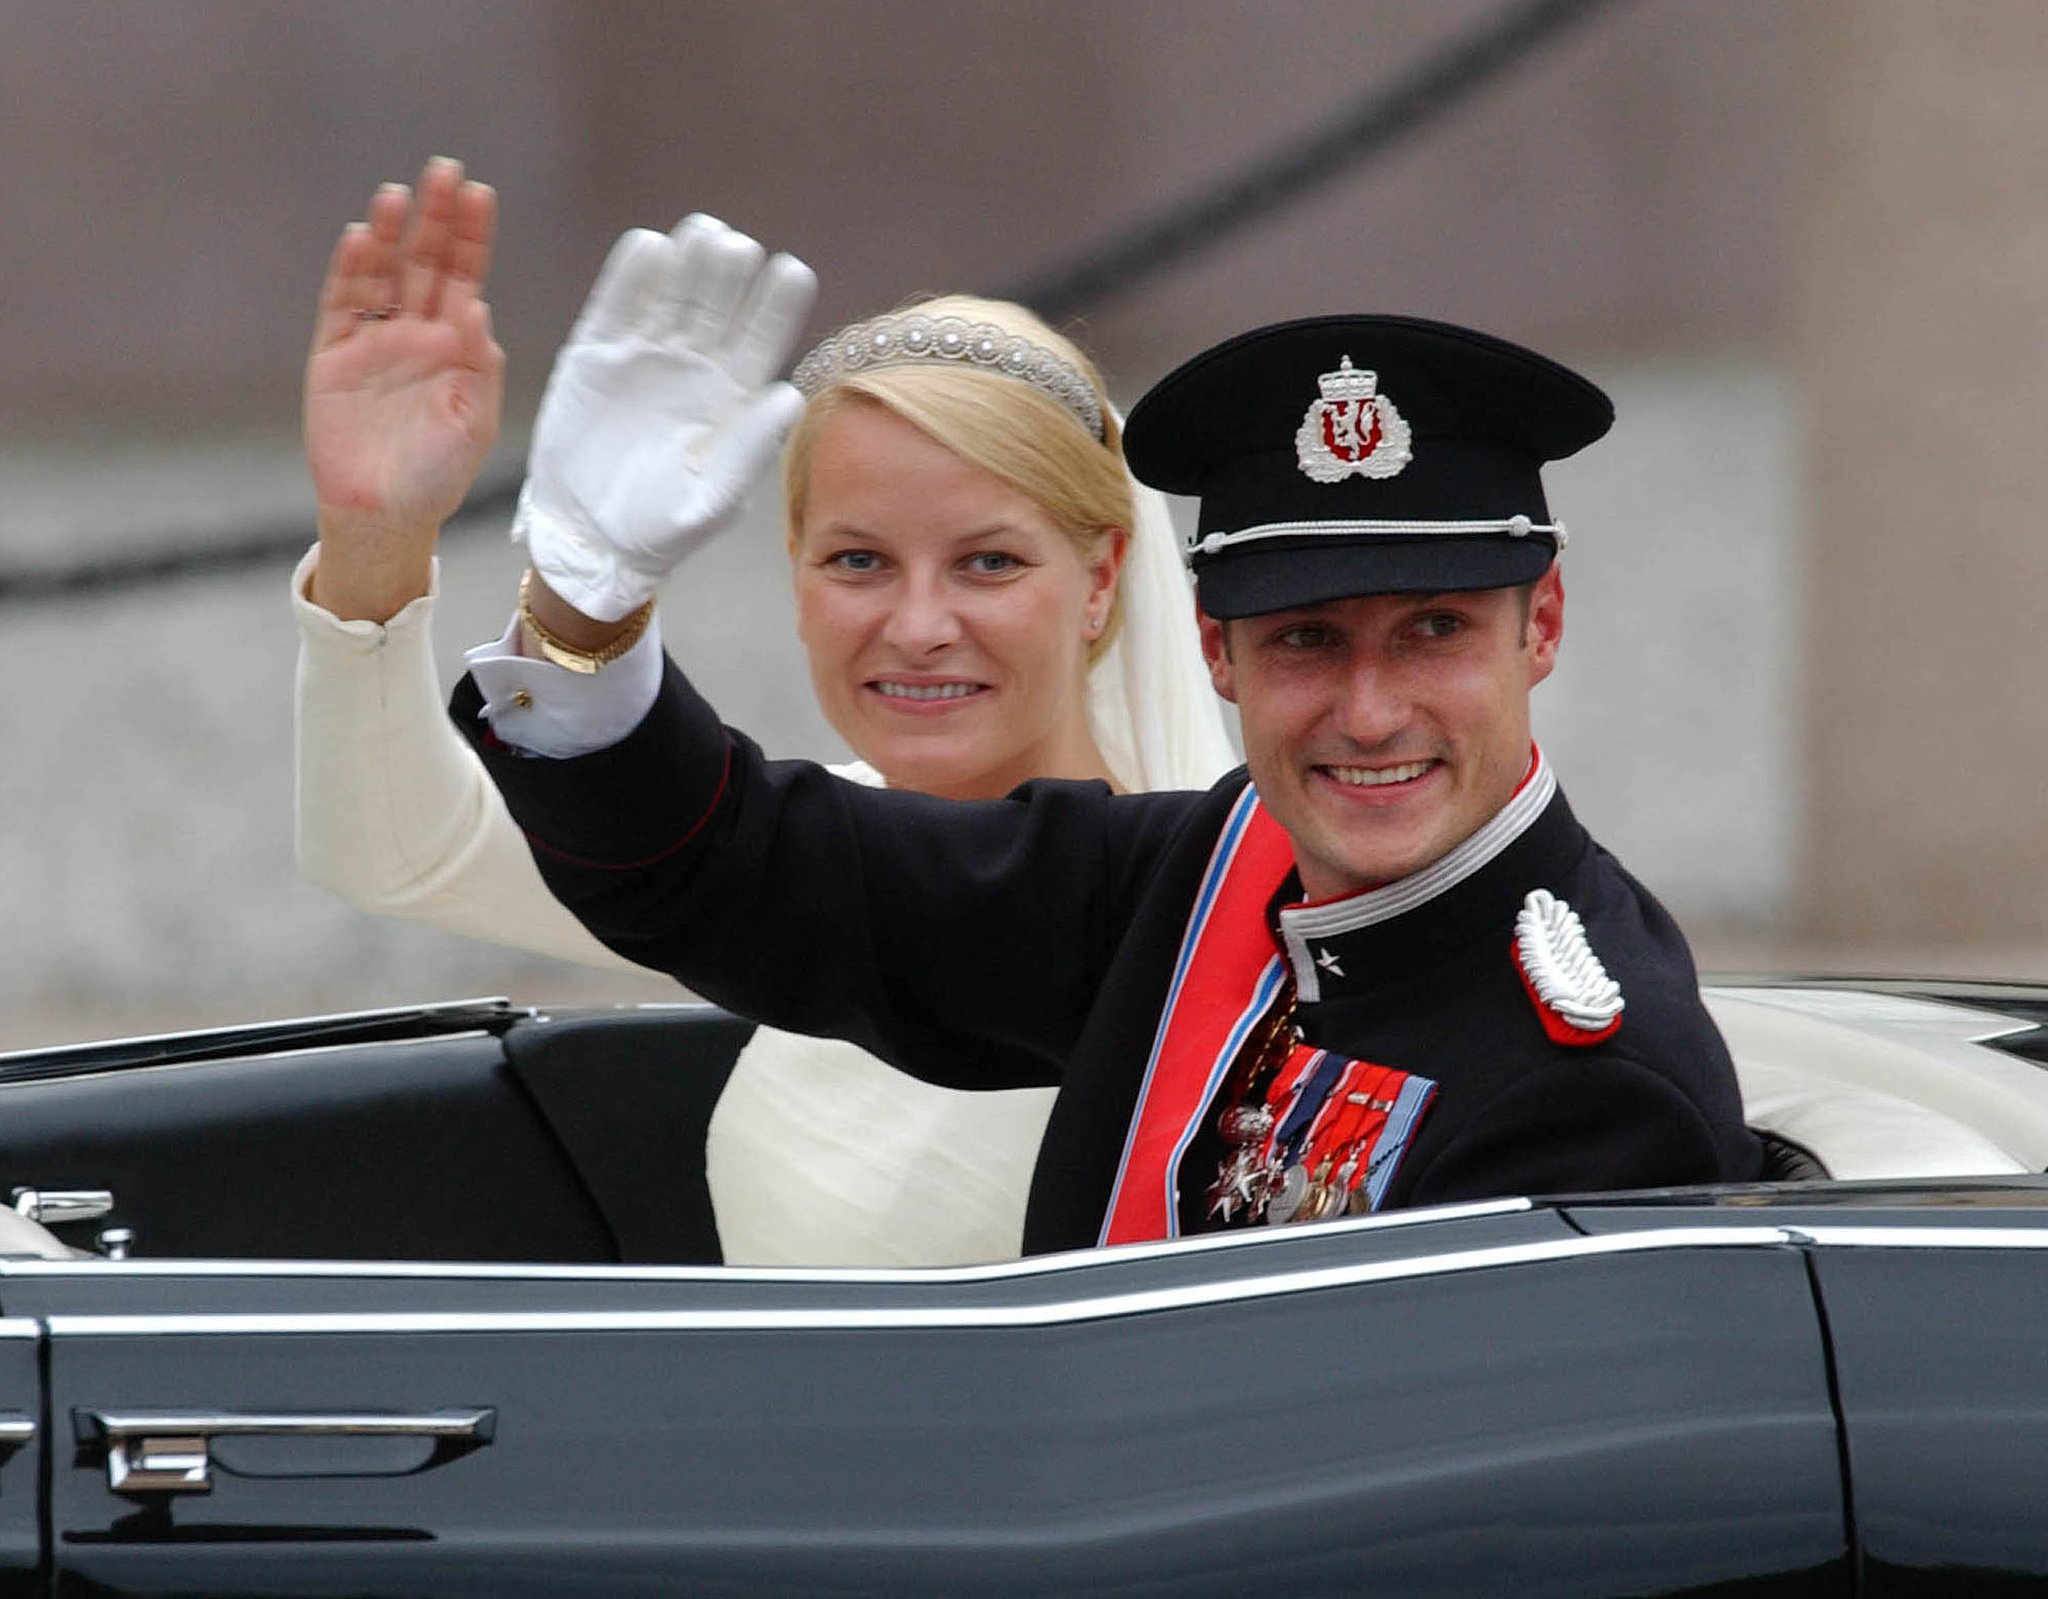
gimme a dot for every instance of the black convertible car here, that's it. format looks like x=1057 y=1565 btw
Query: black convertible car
x=426 y=1302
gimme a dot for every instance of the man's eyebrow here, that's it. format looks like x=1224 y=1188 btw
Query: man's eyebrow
x=1319 y=608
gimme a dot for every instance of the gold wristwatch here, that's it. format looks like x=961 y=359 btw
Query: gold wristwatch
x=559 y=651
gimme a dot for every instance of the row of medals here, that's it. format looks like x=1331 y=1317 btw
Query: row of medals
x=1254 y=1182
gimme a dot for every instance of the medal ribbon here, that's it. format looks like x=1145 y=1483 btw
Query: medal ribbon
x=1345 y=1122
x=1348 y=1120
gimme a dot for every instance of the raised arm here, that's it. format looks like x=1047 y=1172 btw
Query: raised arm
x=964 y=942
x=403 y=388
x=393 y=812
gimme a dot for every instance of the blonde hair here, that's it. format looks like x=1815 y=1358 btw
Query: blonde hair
x=1003 y=425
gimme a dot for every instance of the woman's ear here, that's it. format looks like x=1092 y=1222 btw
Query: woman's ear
x=1103 y=567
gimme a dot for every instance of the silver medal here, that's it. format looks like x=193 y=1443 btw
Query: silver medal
x=1287 y=1197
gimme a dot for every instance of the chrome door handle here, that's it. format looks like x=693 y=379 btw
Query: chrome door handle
x=54 y=1207
x=165 y=1451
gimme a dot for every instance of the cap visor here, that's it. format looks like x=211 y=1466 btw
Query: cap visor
x=1284 y=575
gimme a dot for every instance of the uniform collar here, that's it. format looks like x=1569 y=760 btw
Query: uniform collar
x=1318 y=938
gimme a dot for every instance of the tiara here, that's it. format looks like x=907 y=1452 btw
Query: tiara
x=913 y=336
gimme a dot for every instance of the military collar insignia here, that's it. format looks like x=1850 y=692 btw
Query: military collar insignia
x=1304 y=925
x=1351 y=429
x=1575 y=999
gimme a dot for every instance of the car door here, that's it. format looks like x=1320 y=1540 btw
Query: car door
x=23 y=1439
x=1476 y=1401
x=1937 y=1319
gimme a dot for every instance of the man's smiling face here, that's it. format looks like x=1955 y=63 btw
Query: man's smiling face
x=1383 y=731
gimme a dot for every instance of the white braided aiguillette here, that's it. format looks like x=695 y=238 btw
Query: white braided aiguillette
x=1561 y=965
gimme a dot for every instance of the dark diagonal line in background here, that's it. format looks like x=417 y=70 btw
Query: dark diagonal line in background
x=1355 y=133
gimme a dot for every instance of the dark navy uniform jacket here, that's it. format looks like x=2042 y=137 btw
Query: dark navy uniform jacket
x=1030 y=941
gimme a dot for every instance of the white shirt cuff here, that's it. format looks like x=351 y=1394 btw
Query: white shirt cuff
x=545 y=709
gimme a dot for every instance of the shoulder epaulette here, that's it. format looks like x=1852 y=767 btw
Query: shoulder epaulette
x=1577 y=1002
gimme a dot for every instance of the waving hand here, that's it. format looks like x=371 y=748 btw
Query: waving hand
x=661 y=410
x=403 y=387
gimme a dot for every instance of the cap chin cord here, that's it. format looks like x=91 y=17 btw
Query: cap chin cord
x=1515 y=527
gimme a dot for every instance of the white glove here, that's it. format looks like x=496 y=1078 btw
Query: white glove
x=660 y=412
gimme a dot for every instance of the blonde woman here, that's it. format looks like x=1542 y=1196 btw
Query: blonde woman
x=983 y=594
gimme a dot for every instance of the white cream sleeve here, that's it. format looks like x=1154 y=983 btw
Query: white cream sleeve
x=394 y=812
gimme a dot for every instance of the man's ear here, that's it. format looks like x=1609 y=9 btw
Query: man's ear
x=1544 y=630
x=1216 y=651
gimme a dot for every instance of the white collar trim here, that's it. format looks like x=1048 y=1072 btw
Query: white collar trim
x=1300 y=923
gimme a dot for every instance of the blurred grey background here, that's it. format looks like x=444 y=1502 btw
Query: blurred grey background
x=1803 y=242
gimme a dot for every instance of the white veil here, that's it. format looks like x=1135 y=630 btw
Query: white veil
x=1154 y=715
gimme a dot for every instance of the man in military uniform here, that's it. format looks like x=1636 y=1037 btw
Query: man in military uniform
x=1384 y=966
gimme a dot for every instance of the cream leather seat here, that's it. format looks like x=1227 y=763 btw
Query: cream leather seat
x=1880 y=1085
x=21 y=1237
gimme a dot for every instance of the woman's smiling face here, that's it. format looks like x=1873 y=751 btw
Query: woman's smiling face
x=947 y=619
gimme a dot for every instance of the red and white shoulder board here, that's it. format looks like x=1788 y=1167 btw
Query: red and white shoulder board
x=1575 y=999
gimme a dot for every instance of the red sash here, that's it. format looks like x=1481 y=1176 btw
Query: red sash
x=1223 y=982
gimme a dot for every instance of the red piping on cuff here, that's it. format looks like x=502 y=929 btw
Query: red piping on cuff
x=696 y=827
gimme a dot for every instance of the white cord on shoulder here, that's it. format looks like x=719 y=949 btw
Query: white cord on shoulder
x=1561 y=966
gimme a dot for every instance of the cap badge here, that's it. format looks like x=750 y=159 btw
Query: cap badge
x=1575 y=999
x=1353 y=428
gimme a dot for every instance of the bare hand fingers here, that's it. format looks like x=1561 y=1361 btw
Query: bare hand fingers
x=628 y=285
x=765 y=328
x=433 y=223
x=479 y=349
x=468 y=256
x=359 y=273
x=481 y=354
x=715 y=266
x=476 y=228
x=336 y=315
x=389 y=208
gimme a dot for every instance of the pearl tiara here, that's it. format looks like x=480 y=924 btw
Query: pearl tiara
x=912 y=336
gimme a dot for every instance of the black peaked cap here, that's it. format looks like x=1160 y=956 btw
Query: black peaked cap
x=1238 y=424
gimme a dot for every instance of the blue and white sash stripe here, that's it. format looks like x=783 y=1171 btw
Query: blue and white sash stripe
x=1218 y=869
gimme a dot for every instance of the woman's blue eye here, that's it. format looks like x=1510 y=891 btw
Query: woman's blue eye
x=856 y=561
x=990 y=563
